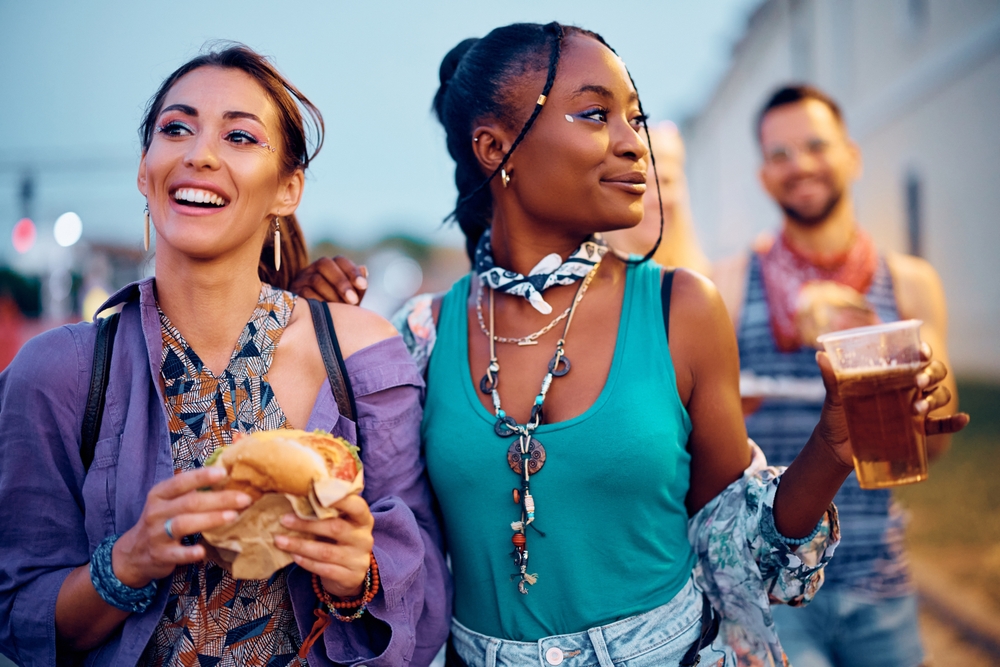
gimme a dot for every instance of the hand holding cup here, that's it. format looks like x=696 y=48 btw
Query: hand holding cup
x=882 y=383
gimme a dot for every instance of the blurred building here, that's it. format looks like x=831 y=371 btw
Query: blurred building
x=919 y=81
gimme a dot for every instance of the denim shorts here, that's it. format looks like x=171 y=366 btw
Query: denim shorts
x=657 y=638
x=841 y=628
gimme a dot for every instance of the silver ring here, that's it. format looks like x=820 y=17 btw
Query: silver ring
x=167 y=526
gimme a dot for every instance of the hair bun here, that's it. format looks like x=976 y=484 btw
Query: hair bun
x=453 y=58
x=447 y=70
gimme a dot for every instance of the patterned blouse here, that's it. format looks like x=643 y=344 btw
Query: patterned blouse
x=743 y=565
x=212 y=618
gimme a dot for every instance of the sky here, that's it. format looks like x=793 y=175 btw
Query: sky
x=75 y=78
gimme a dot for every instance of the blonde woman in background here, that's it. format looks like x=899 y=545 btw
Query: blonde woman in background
x=680 y=245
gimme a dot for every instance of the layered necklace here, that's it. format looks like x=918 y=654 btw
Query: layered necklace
x=526 y=455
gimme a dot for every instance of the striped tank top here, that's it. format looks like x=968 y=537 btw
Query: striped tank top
x=871 y=557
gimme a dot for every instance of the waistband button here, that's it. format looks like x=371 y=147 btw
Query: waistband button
x=554 y=656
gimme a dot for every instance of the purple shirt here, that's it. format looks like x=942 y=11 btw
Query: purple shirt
x=52 y=516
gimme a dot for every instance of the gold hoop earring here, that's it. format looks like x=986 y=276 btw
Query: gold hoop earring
x=145 y=233
x=277 y=243
x=504 y=177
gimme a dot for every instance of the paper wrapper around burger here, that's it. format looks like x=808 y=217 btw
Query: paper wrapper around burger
x=246 y=546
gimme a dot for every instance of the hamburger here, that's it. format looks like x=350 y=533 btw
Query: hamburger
x=287 y=461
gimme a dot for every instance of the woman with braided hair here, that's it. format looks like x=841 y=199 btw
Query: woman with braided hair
x=582 y=423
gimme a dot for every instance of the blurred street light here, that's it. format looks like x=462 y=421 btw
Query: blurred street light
x=68 y=229
x=24 y=234
x=402 y=277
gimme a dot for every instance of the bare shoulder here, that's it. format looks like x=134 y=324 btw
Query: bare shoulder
x=358 y=328
x=909 y=271
x=730 y=276
x=696 y=299
x=919 y=292
x=702 y=340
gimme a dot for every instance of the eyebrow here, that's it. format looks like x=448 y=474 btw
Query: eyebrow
x=183 y=108
x=228 y=115
x=602 y=91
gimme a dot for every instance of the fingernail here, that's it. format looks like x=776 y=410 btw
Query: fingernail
x=287 y=520
x=361 y=282
x=921 y=406
x=216 y=472
x=352 y=297
x=923 y=380
x=243 y=500
x=230 y=515
x=281 y=540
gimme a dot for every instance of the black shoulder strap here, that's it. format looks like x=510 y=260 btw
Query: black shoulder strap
x=336 y=370
x=665 y=289
x=94 y=413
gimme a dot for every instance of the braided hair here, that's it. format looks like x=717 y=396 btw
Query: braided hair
x=475 y=79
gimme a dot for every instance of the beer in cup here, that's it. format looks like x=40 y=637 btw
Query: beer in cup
x=875 y=369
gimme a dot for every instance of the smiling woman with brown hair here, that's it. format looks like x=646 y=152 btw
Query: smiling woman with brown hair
x=107 y=564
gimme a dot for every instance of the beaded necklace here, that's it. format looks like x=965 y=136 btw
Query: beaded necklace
x=526 y=455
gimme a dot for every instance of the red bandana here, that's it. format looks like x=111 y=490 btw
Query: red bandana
x=786 y=271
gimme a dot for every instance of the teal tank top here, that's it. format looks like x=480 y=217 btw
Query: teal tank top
x=610 y=497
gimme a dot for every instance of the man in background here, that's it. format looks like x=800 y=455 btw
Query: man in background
x=821 y=273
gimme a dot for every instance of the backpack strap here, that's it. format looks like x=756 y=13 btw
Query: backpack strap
x=665 y=289
x=336 y=370
x=94 y=412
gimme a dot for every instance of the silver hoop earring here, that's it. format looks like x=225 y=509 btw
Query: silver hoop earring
x=145 y=233
x=277 y=243
x=504 y=177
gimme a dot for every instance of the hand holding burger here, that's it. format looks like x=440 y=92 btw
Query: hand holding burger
x=338 y=549
x=149 y=551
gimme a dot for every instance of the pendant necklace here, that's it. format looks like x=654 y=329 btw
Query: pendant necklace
x=526 y=455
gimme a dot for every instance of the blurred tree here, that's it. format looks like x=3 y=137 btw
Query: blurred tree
x=25 y=292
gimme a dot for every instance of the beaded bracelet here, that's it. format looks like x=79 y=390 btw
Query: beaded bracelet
x=110 y=588
x=359 y=604
x=791 y=541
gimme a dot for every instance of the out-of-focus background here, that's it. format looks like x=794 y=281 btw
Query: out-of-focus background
x=919 y=81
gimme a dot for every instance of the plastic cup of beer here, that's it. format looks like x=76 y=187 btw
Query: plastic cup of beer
x=875 y=369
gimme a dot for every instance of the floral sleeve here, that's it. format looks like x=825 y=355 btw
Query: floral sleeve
x=744 y=565
x=415 y=321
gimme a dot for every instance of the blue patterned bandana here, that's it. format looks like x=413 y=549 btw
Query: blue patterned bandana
x=551 y=270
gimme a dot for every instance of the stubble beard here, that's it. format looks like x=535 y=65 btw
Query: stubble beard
x=817 y=219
